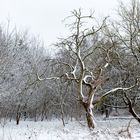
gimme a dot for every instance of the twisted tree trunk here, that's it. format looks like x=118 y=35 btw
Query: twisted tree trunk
x=87 y=103
x=89 y=115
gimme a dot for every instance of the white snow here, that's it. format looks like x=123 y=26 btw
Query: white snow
x=54 y=130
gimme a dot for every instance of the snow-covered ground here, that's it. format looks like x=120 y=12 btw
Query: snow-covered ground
x=54 y=130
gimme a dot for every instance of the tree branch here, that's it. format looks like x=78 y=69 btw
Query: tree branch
x=111 y=92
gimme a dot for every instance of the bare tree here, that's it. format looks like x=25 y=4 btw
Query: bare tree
x=86 y=76
x=124 y=36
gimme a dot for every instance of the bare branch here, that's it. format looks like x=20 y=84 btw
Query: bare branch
x=112 y=92
x=120 y=107
x=49 y=78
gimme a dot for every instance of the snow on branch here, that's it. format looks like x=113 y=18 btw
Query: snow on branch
x=48 y=78
x=111 y=92
x=57 y=78
x=86 y=77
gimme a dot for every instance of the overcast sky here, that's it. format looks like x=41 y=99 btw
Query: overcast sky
x=44 y=17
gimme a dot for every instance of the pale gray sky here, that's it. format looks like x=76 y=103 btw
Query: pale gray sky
x=44 y=17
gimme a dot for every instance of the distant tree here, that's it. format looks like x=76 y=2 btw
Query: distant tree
x=124 y=35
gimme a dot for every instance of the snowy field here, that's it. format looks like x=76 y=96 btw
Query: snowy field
x=54 y=130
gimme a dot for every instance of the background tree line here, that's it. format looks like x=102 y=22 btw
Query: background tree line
x=98 y=65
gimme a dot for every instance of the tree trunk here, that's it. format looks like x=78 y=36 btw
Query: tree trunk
x=18 y=118
x=134 y=114
x=62 y=114
x=131 y=109
x=89 y=115
x=18 y=115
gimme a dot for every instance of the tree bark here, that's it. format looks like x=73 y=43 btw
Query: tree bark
x=89 y=115
x=18 y=115
x=133 y=113
x=131 y=109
